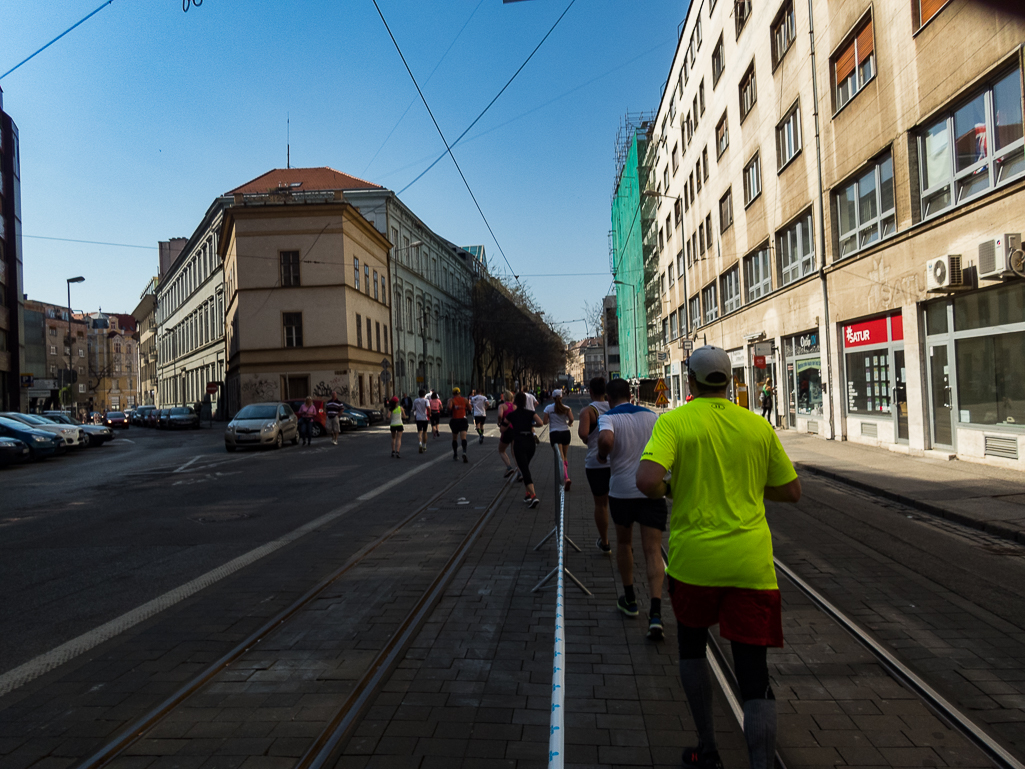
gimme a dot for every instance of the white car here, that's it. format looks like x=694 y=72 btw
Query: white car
x=72 y=435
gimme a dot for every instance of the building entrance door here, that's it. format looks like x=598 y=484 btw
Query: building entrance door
x=900 y=396
x=941 y=392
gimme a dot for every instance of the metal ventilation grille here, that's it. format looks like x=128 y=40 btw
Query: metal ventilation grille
x=1001 y=446
x=870 y=429
x=813 y=427
x=987 y=257
x=956 y=279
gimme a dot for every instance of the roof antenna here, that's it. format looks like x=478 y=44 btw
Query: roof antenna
x=288 y=140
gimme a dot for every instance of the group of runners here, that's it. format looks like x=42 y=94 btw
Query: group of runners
x=426 y=411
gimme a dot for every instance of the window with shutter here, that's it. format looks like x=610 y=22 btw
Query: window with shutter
x=927 y=9
x=854 y=65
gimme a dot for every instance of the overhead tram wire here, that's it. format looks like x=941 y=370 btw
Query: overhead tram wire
x=442 y=135
x=517 y=72
x=62 y=34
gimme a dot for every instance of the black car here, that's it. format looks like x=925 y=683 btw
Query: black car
x=372 y=414
x=12 y=451
x=182 y=417
x=140 y=414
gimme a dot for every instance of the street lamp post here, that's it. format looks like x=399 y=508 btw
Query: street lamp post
x=78 y=279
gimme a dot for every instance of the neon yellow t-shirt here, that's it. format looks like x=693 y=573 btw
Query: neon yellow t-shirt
x=722 y=457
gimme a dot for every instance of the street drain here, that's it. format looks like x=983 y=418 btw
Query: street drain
x=219 y=517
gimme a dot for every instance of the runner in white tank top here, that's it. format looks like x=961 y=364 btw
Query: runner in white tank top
x=598 y=475
x=558 y=430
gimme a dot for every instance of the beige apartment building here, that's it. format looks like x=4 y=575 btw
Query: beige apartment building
x=307 y=298
x=844 y=220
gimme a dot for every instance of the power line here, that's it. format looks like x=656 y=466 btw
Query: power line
x=91 y=242
x=517 y=72
x=62 y=34
x=442 y=135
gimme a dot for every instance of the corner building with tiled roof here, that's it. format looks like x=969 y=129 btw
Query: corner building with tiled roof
x=835 y=217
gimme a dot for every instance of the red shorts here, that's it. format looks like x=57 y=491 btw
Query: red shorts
x=747 y=616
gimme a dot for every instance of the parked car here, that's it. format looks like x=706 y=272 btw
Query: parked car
x=41 y=444
x=262 y=424
x=13 y=451
x=183 y=417
x=152 y=417
x=492 y=402
x=372 y=414
x=140 y=414
x=116 y=419
x=72 y=436
x=95 y=435
x=357 y=418
x=319 y=423
x=163 y=419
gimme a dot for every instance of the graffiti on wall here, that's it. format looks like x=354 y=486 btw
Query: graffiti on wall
x=338 y=384
x=256 y=389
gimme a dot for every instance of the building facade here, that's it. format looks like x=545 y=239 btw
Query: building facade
x=49 y=356
x=146 y=317
x=307 y=297
x=610 y=338
x=113 y=355
x=431 y=282
x=843 y=219
x=12 y=334
x=190 y=308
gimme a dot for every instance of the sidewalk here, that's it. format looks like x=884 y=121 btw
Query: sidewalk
x=988 y=498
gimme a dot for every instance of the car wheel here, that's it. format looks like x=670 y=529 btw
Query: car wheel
x=316 y=430
x=279 y=441
x=229 y=448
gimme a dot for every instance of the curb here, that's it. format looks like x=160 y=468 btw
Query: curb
x=996 y=529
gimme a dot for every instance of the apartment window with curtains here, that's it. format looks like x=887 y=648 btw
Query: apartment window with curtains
x=854 y=64
x=925 y=10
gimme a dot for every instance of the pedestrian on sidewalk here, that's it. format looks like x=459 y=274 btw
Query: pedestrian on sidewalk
x=458 y=423
x=505 y=431
x=725 y=463
x=422 y=415
x=398 y=414
x=597 y=476
x=307 y=413
x=333 y=408
x=480 y=413
x=559 y=419
x=767 y=400
x=521 y=421
x=407 y=404
x=624 y=431
x=435 y=413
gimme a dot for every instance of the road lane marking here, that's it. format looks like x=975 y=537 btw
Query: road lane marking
x=44 y=663
x=194 y=459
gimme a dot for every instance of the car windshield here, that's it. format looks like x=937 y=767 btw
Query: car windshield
x=33 y=419
x=115 y=415
x=257 y=412
x=13 y=423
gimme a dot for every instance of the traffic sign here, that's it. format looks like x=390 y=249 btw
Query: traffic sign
x=662 y=356
x=662 y=400
x=661 y=386
x=385 y=377
x=385 y=364
x=687 y=344
x=211 y=388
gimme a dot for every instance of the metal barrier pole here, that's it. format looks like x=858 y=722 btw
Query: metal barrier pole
x=556 y=740
x=559 y=531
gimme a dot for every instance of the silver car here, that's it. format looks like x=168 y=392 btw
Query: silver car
x=262 y=424
x=72 y=435
x=94 y=435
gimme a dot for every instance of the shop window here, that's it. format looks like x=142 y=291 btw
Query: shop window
x=783 y=33
x=709 y=302
x=722 y=136
x=289 y=261
x=991 y=379
x=758 y=274
x=854 y=65
x=726 y=210
x=748 y=92
x=864 y=207
x=868 y=381
x=292 y=323
x=973 y=149
x=804 y=374
x=718 y=61
x=788 y=137
x=752 y=179
x=795 y=251
x=729 y=284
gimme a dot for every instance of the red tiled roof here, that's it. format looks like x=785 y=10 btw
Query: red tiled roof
x=307 y=179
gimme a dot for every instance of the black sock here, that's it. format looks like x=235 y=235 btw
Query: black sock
x=697 y=684
x=656 y=607
x=760 y=732
x=455 y=447
x=628 y=591
x=464 y=445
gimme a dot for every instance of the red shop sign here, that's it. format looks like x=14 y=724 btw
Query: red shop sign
x=866 y=332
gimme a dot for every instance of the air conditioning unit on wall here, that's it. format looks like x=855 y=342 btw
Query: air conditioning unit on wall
x=997 y=258
x=944 y=272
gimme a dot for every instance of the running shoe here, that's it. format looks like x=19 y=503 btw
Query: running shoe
x=604 y=547
x=481 y=438
x=465 y=460
x=693 y=758
x=455 y=457
x=655 y=632
x=568 y=484
x=398 y=455
x=629 y=608
x=535 y=501
x=527 y=497
x=393 y=453
x=509 y=471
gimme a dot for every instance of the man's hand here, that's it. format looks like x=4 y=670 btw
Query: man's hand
x=790 y=492
x=651 y=479
x=606 y=440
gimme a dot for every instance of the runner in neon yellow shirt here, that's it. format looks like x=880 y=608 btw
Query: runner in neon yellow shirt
x=725 y=462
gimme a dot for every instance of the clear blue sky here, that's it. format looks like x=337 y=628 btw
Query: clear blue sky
x=134 y=122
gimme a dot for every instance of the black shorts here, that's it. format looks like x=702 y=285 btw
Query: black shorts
x=396 y=428
x=421 y=425
x=598 y=479
x=647 y=512
x=459 y=425
x=507 y=436
x=560 y=437
x=479 y=421
x=435 y=419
